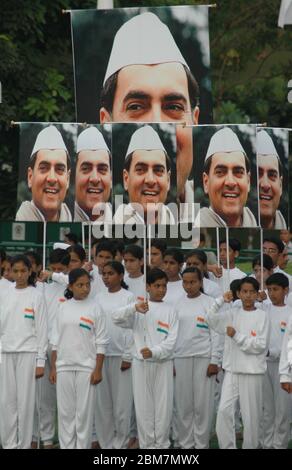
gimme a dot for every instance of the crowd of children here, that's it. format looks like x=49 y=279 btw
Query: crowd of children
x=128 y=355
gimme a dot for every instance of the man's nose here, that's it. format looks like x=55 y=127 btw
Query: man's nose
x=94 y=176
x=52 y=177
x=230 y=179
x=265 y=183
x=155 y=114
x=150 y=176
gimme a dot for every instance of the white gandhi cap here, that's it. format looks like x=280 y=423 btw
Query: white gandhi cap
x=145 y=138
x=49 y=139
x=143 y=40
x=265 y=144
x=224 y=141
x=91 y=139
x=59 y=245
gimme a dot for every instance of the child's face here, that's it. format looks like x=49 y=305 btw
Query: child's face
x=75 y=261
x=111 y=278
x=157 y=290
x=192 y=284
x=257 y=273
x=277 y=294
x=102 y=258
x=36 y=268
x=7 y=271
x=223 y=254
x=20 y=274
x=156 y=257
x=194 y=262
x=248 y=295
x=80 y=288
x=171 y=267
x=133 y=265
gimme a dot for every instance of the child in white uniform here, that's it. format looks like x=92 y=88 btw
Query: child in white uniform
x=115 y=395
x=244 y=362
x=154 y=335
x=197 y=354
x=198 y=259
x=173 y=260
x=133 y=260
x=23 y=336
x=276 y=418
x=78 y=341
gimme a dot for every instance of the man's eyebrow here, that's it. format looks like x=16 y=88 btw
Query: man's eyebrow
x=136 y=94
x=224 y=167
x=175 y=97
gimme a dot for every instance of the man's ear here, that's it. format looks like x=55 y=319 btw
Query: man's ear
x=195 y=115
x=168 y=180
x=281 y=185
x=248 y=177
x=236 y=253
x=104 y=116
x=126 y=180
x=29 y=177
x=206 y=182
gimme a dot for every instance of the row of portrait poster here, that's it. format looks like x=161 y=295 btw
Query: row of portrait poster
x=234 y=175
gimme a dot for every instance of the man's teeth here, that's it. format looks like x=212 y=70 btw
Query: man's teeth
x=150 y=193
x=94 y=191
x=266 y=198
x=231 y=195
x=51 y=191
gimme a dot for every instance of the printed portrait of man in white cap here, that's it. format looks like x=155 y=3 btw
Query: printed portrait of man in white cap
x=270 y=181
x=93 y=178
x=226 y=182
x=48 y=178
x=148 y=80
x=146 y=179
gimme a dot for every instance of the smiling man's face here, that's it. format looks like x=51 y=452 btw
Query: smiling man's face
x=93 y=179
x=49 y=181
x=227 y=185
x=148 y=179
x=270 y=188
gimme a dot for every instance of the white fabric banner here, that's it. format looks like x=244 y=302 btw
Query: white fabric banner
x=285 y=13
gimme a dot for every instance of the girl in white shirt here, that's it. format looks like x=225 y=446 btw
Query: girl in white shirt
x=197 y=355
x=172 y=265
x=78 y=342
x=23 y=336
x=115 y=396
x=198 y=259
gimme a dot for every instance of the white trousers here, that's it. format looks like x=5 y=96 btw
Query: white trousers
x=114 y=405
x=276 y=417
x=248 y=389
x=17 y=398
x=194 y=402
x=76 y=401
x=153 y=398
x=46 y=403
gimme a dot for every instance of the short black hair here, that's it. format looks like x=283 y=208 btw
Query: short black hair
x=135 y=250
x=194 y=271
x=176 y=254
x=160 y=244
x=32 y=161
x=72 y=237
x=276 y=241
x=154 y=275
x=278 y=279
x=57 y=255
x=78 y=250
x=35 y=256
x=249 y=280
x=108 y=91
x=129 y=158
x=234 y=244
x=234 y=287
x=106 y=245
x=207 y=164
x=200 y=254
x=267 y=261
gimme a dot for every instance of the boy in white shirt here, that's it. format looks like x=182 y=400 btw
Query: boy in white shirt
x=152 y=370
x=276 y=417
x=244 y=362
x=133 y=260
